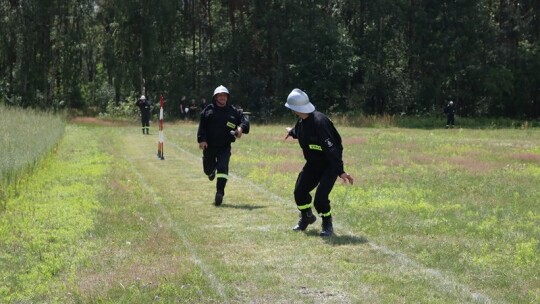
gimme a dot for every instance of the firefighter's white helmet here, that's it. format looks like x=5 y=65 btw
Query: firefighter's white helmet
x=221 y=89
x=451 y=103
x=143 y=97
x=298 y=101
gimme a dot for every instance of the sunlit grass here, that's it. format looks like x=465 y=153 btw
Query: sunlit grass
x=26 y=136
x=436 y=216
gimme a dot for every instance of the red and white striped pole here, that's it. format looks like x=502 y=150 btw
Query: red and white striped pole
x=160 y=142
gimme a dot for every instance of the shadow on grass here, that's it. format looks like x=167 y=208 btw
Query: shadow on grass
x=242 y=206
x=337 y=239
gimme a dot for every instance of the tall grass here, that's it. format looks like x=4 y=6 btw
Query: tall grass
x=26 y=136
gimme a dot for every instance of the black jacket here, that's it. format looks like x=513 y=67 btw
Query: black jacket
x=216 y=124
x=144 y=106
x=320 y=141
x=449 y=110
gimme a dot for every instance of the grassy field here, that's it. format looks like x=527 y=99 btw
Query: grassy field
x=27 y=137
x=437 y=216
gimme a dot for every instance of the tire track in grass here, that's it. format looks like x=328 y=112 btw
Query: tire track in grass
x=436 y=278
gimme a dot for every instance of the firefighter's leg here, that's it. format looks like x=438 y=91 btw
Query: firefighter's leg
x=209 y=162
x=307 y=181
x=322 y=202
x=222 y=173
x=142 y=124
x=147 y=124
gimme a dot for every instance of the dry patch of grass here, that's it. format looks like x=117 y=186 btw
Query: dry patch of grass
x=355 y=140
x=474 y=166
x=527 y=157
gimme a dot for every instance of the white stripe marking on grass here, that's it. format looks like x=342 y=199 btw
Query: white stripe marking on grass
x=438 y=279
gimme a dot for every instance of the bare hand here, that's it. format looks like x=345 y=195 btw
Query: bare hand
x=239 y=132
x=203 y=145
x=288 y=132
x=347 y=178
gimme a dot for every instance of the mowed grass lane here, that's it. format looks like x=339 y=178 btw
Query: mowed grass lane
x=246 y=248
x=443 y=216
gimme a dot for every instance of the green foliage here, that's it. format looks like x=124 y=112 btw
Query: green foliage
x=124 y=110
x=375 y=57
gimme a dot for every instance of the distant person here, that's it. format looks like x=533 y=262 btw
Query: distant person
x=449 y=110
x=144 y=107
x=203 y=103
x=220 y=125
x=322 y=149
x=182 y=107
x=193 y=109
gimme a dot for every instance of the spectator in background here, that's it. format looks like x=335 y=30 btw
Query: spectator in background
x=182 y=107
x=203 y=103
x=145 y=108
x=449 y=110
x=193 y=109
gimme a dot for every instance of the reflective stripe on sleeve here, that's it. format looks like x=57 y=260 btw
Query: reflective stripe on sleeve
x=315 y=147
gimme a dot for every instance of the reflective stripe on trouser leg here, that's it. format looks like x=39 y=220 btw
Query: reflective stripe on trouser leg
x=329 y=213
x=304 y=207
x=307 y=180
x=223 y=156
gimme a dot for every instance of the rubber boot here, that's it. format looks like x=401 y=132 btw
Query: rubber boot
x=327 y=227
x=218 y=200
x=306 y=218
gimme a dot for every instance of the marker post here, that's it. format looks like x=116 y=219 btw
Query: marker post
x=160 y=140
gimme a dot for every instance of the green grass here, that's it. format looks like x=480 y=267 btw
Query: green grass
x=435 y=216
x=27 y=136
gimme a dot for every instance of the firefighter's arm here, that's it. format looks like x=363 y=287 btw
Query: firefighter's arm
x=291 y=132
x=330 y=147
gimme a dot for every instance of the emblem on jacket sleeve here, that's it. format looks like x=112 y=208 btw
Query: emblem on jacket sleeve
x=328 y=143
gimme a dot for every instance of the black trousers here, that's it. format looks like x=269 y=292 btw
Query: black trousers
x=320 y=176
x=145 y=121
x=450 y=120
x=217 y=158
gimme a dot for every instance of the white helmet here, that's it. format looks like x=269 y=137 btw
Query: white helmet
x=221 y=89
x=298 y=101
x=143 y=97
x=451 y=103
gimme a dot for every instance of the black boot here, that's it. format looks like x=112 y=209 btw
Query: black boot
x=306 y=218
x=218 y=199
x=327 y=228
x=212 y=175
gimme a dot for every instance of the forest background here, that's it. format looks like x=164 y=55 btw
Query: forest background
x=406 y=57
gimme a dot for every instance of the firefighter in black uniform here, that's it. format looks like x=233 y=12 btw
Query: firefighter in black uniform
x=322 y=149
x=220 y=124
x=145 y=108
x=449 y=110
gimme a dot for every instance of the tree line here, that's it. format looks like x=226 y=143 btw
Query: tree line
x=351 y=56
